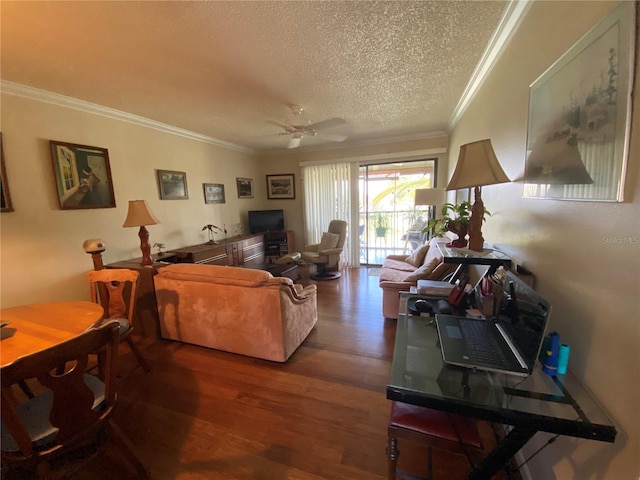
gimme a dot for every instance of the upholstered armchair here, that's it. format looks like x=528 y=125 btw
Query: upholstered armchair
x=238 y=310
x=326 y=254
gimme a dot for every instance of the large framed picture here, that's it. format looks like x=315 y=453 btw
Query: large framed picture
x=245 y=187
x=281 y=186
x=580 y=114
x=213 y=192
x=172 y=185
x=7 y=206
x=83 y=176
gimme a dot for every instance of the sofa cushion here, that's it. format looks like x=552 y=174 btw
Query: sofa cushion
x=417 y=256
x=423 y=272
x=328 y=241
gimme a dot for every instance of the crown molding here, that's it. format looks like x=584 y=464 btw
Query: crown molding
x=513 y=16
x=19 y=90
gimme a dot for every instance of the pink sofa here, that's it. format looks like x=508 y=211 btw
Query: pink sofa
x=238 y=310
x=401 y=272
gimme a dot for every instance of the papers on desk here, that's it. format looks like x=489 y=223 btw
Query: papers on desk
x=434 y=287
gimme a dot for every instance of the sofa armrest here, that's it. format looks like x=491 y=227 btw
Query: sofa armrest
x=304 y=292
x=400 y=286
x=397 y=257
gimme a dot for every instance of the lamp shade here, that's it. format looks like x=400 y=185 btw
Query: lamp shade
x=429 y=196
x=139 y=215
x=477 y=166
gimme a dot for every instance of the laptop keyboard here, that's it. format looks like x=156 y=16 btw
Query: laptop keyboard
x=483 y=348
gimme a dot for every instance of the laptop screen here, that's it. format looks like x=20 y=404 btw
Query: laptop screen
x=525 y=319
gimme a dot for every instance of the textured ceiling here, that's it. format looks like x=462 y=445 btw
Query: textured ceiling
x=228 y=70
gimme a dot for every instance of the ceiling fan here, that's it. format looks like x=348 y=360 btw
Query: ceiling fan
x=298 y=132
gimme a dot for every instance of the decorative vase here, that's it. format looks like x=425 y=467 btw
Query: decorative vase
x=461 y=230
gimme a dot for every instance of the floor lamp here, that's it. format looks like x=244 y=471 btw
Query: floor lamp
x=477 y=166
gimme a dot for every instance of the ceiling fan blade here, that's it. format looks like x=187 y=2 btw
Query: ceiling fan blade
x=333 y=138
x=294 y=142
x=328 y=123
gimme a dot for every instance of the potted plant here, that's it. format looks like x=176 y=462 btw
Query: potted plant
x=381 y=224
x=455 y=218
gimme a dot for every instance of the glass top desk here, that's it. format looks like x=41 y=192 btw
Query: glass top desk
x=536 y=403
x=465 y=257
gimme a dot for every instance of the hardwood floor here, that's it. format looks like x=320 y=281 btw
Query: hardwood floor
x=205 y=414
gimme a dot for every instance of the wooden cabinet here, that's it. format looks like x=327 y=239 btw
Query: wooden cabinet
x=234 y=251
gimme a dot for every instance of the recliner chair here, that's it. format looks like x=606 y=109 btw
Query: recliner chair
x=326 y=254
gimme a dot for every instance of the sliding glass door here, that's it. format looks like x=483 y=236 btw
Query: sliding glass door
x=389 y=220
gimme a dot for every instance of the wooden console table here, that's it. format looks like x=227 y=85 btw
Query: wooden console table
x=243 y=250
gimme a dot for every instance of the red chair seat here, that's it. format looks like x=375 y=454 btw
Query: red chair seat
x=435 y=423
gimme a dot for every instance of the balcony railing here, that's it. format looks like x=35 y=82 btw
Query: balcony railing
x=402 y=233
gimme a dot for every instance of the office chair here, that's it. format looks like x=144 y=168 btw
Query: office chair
x=433 y=428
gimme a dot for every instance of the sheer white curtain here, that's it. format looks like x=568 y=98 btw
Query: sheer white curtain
x=327 y=196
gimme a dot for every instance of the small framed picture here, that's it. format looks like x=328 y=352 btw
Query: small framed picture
x=245 y=187
x=7 y=206
x=172 y=185
x=83 y=176
x=281 y=186
x=213 y=192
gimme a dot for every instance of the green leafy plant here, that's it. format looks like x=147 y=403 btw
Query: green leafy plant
x=456 y=215
x=381 y=222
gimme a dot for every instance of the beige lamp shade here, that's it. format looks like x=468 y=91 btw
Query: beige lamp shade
x=477 y=166
x=429 y=196
x=139 y=214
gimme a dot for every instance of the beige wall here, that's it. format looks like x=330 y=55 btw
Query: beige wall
x=290 y=163
x=592 y=284
x=41 y=246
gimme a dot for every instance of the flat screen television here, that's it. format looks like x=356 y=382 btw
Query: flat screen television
x=261 y=221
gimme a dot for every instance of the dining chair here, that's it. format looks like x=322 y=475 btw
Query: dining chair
x=115 y=289
x=73 y=408
x=433 y=428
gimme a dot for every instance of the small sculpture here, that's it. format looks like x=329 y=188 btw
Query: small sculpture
x=211 y=228
x=159 y=246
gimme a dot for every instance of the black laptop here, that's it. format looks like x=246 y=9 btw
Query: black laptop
x=509 y=343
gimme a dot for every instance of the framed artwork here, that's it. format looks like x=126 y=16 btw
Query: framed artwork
x=7 y=206
x=83 y=176
x=580 y=116
x=213 y=192
x=172 y=185
x=245 y=187
x=281 y=186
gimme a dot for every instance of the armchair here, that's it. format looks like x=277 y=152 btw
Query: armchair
x=326 y=254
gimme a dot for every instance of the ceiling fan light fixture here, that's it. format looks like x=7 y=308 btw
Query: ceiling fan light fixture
x=296 y=109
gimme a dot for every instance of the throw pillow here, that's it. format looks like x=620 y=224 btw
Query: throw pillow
x=417 y=257
x=423 y=271
x=328 y=241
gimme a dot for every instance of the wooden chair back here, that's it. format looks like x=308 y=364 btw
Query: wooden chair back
x=119 y=286
x=72 y=400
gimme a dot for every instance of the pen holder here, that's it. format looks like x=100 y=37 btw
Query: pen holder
x=488 y=305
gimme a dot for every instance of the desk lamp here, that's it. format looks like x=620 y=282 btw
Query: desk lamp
x=139 y=215
x=477 y=167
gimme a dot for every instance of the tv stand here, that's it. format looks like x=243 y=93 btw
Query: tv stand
x=277 y=243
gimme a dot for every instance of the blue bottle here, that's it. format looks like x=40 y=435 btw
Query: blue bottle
x=550 y=363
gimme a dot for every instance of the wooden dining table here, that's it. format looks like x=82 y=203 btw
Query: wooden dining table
x=28 y=329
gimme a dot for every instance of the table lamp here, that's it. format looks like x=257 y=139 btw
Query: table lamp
x=477 y=167
x=139 y=215
x=431 y=197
